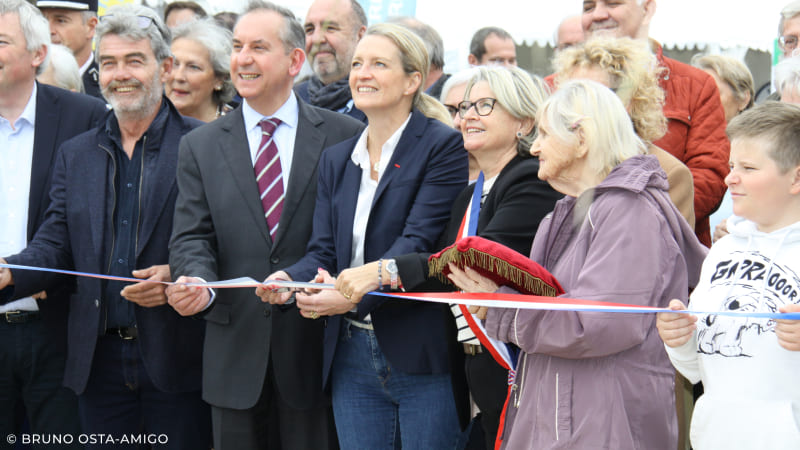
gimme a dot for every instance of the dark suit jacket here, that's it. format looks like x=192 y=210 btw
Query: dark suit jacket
x=410 y=209
x=91 y=81
x=60 y=115
x=220 y=233
x=76 y=235
x=510 y=215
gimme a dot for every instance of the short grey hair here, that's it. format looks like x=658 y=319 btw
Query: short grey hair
x=66 y=73
x=732 y=71
x=293 y=35
x=593 y=109
x=788 y=12
x=787 y=74
x=123 y=21
x=218 y=42
x=457 y=79
x=433 y=41
x=35 y=27
x=517 y=92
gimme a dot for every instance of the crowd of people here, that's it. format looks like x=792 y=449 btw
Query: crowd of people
x=161 y=153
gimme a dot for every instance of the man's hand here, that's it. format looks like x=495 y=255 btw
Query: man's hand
x=148 y=293
x=6 y=279
x=188 y=300
x=271 y=294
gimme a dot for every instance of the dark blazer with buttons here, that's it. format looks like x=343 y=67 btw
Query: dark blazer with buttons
x=220 y=233
x=60 y=115
x=409 y=211
x=76 y=234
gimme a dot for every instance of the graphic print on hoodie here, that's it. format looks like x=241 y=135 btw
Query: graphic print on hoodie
x=747 y=282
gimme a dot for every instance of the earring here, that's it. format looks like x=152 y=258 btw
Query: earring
x=519 y=135
x=218 y=87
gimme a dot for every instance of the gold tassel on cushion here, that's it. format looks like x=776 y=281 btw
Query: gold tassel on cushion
x=485 y=263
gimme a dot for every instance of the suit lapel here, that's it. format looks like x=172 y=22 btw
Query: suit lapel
x=308 y=147
x=48 y=113
x=160 y=181
x=351 y=184
x=97 y=189
x=403 y=155
x=235 y=152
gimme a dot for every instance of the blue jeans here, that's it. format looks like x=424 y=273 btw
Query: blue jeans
x=376 y=406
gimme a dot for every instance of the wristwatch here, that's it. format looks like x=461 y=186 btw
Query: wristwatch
x=391 y=267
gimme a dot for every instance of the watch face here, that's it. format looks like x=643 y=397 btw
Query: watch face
x=391 y=266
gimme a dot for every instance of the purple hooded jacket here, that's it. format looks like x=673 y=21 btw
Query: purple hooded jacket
x=588 y=380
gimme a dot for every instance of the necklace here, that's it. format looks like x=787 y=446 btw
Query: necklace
x=375 y=166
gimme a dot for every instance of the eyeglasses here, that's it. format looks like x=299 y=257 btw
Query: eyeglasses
x=452 y=110
x=144 y=22
x=483 y=106
x=787 y=42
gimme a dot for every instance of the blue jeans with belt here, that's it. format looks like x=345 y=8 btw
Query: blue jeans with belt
x=376 y=406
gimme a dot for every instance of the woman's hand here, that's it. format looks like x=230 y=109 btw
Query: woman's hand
x=675 y=329
x=355 y=282
x=325 y=302
x=788 y=331
x=469 y=280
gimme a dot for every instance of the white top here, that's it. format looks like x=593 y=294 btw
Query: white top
x=16 y=160
x=284 y=136
x=752 y=398
x=366 y=192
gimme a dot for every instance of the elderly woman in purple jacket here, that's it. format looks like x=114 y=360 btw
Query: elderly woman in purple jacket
x=589 y=380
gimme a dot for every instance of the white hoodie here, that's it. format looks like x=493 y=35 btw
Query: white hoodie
x=751 y=383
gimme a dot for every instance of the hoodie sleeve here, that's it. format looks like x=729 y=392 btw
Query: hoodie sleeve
x=684 y=359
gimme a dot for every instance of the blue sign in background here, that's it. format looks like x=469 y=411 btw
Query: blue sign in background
x=380 y=10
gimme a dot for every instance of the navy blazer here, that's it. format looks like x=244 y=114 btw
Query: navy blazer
x=410 y=210
x=60 y=115
x=77 y=233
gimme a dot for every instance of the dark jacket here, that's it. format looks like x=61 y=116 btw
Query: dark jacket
x=409 y=211
x=77 y=234
x=301 y=89
x=60 y=115
x=220 y=233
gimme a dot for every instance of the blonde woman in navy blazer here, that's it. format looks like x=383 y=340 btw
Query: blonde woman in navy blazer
x=386 y=361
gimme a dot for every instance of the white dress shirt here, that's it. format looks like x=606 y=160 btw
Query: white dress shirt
x=283 y=137
x=16 y=160
x=366 y=191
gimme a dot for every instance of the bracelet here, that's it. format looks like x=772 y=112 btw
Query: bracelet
x=380 y=275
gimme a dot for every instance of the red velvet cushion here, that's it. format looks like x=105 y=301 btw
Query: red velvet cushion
x=503 y=265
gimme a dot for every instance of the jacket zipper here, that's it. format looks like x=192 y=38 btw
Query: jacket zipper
x=111 y=220
x=556 y=421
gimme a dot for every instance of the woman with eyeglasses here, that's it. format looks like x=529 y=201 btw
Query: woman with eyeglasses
x=497 y=120
x=384 y=193
x=199 y=84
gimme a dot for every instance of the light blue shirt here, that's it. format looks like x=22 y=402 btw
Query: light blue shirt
x=16 y=161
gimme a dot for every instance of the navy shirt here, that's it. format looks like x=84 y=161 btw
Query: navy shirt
x=126 y=220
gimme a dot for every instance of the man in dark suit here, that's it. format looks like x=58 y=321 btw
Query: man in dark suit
x=34 y=120
x=72 y=23
x=130 y=356
x=262 y=365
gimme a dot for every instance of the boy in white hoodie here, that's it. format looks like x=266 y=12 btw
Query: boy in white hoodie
x=749 y=366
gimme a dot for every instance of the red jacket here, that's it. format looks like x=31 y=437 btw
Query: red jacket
x=696 y=134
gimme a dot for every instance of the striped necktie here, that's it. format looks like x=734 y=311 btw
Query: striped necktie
x=269 y=176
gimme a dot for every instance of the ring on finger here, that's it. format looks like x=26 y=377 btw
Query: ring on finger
x=314 y=315
x=347 y=295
